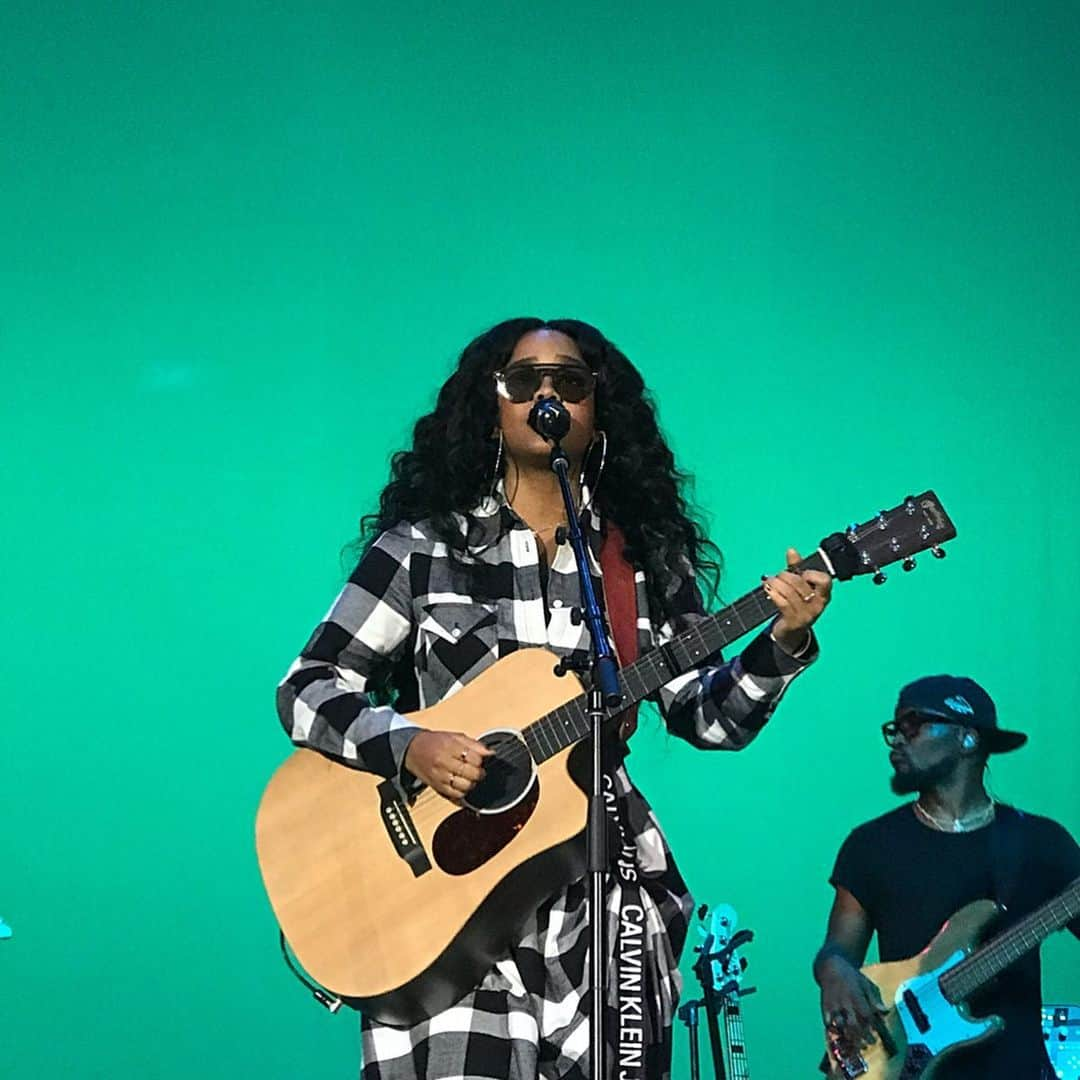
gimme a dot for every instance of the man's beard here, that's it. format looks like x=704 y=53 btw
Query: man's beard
x=912 y=779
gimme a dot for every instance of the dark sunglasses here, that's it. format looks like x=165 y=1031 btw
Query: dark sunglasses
x=909 y=725
x=571 y=382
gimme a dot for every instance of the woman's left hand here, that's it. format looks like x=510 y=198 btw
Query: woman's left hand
x=800 y=598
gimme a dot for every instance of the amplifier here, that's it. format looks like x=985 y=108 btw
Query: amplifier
x=1061 y=1032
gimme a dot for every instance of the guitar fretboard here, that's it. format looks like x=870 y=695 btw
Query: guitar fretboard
x=738 y=1062
x=568 y=724
x=1007 y=948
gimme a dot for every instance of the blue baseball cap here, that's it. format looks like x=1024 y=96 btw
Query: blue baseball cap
x=959 y=700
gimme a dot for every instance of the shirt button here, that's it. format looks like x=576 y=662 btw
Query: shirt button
x=556 y=603
x=456 y=632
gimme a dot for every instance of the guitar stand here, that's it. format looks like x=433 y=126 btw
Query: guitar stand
x=712 y=1000
x=688 y=1014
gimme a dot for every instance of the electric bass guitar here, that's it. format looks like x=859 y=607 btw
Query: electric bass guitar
x=399 y=905
x=927 y=1019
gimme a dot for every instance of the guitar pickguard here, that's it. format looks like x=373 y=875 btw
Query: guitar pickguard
x=930 y=1020
x=466 y=840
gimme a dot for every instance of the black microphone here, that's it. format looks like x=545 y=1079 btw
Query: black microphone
x=550 y=418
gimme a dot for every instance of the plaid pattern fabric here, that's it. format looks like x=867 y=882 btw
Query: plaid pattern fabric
x=409 y=617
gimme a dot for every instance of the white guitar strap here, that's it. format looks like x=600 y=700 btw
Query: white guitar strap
x=634 y=1026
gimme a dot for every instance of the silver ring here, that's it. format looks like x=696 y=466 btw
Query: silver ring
x=809 y=596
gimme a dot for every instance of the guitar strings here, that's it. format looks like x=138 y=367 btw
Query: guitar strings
x=517 y=751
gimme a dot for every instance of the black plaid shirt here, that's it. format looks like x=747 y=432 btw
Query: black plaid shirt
x=410 y=618
x=408 y=614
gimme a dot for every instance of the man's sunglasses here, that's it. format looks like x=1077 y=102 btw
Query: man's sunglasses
x=909 y=725
x=519 y=383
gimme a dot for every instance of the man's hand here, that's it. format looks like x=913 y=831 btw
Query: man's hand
x=449 y=762
x=850 y=1002
x=800 y=598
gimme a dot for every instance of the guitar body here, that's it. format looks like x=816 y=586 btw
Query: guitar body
x=912 y=988
x=404 y=946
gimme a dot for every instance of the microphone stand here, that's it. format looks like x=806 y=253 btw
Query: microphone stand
x=604 y=693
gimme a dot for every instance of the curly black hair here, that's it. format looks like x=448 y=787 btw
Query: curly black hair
x=450 y=467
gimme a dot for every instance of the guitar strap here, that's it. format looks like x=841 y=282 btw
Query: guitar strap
x=1007 y=866
x=1006 y=853
x=634 y=1029
x=620 y=595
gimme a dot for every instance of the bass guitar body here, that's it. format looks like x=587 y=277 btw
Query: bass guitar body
x=922 y=1025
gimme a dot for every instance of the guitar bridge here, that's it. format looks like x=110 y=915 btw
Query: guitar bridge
x=848 y=1060
x=399 y=827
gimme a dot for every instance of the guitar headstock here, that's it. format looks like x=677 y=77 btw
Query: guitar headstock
x=917 y=524
x=727 y=969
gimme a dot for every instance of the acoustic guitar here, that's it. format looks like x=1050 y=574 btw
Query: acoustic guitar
x=399 y=905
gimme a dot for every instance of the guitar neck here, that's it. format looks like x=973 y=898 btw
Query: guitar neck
x=1007 y=948
x=738 y=1062
x=569 y=723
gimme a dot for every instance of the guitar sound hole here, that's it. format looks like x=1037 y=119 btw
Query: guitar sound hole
x=466 y=840
x=508 y=773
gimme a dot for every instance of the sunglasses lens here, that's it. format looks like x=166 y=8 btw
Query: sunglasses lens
x=521 y=383
x=573 y=384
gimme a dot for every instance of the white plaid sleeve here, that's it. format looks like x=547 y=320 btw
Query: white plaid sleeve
x=723 y=706
x=324 y=702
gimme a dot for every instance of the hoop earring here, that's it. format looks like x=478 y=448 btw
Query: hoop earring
x=599 y=472
x=498 y=463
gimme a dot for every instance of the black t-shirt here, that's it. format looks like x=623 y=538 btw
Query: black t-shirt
x=911 y=878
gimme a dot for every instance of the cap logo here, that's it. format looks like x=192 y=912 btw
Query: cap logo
x=960 y=705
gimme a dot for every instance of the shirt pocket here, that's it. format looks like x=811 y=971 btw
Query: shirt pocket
x=452 y=620
x=454 y=643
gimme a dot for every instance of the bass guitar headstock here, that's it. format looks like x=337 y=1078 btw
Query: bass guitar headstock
x=722 y=943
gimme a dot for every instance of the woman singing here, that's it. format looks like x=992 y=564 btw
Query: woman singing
x=462 y=565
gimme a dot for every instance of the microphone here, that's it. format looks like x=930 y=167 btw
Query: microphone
x=550 y=418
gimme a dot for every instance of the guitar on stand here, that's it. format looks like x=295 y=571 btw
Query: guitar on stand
x=719 y=969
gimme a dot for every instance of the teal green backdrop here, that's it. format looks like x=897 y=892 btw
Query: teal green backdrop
x=242 y=245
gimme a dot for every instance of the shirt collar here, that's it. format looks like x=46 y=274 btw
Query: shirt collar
x=493 y=517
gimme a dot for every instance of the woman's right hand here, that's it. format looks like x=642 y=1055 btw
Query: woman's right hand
x=449 y=762
x=850 y=1002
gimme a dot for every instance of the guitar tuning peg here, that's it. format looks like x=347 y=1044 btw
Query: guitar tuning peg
x=937 y=552
x=879 y=578
x=908 y=564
